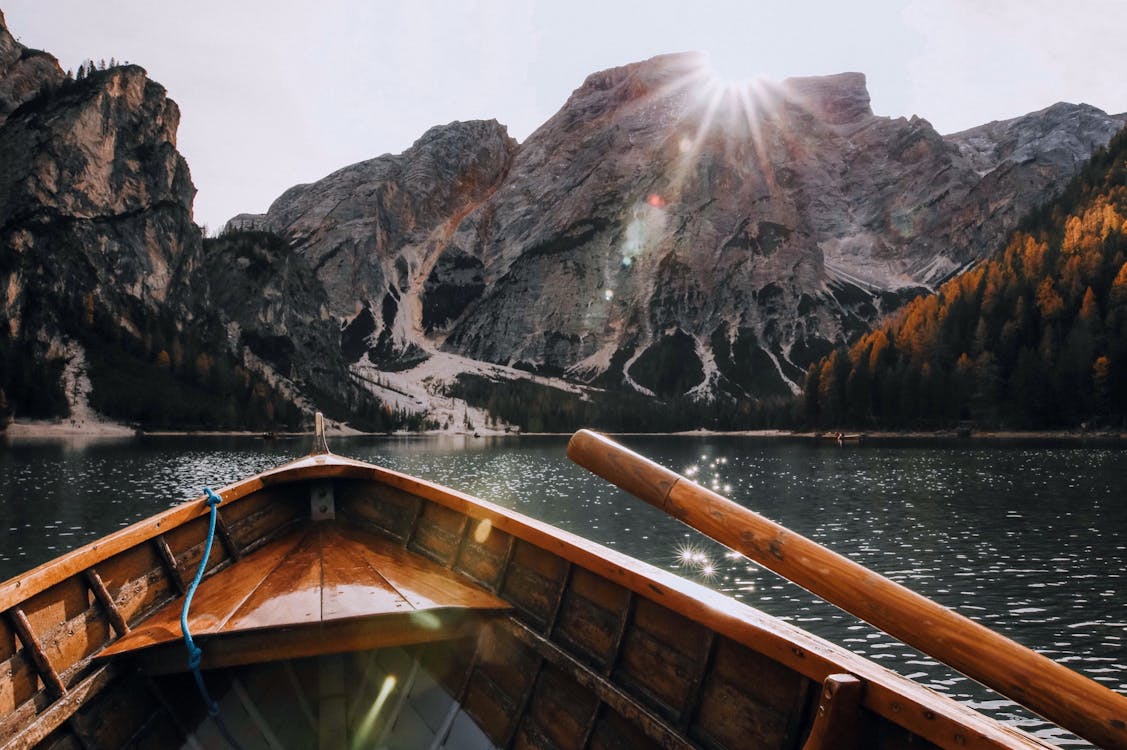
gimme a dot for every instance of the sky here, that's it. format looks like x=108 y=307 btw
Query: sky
x=274 y=93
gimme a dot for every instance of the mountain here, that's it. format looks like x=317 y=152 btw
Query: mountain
x=1033 y=338
x=663 y=236
x=665 y=233
x=107 y=288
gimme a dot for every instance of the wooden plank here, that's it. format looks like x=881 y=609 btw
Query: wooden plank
x=439 y=533
x=483 y=554
x=116 y=714
x=137 y=581
x=317 y=573
x=520 y=714
x=591 y=617
x=21 y=697
x=351 y=587
x=289 y=594
x=560 y=710
x=188 y=542
x=216 y=600
x=696 y=684
x=747 y=698
x=450 y=663
x=171 y=566
x=224 y=533
x=266 y=524
x=391 y=510
x=1052 y=690
x=838 y=716
x=102 y=594
x=505 y=671
x=491 y=705
x=663 y=654
x=55 y=715
x=49 y=610
x=314 y=639
x=72 y=643
x=613 y=732
x=34 y=650
x=67 y=624
x=420 y=581
x=650 y=725
x=506 y=564
x=534 y=583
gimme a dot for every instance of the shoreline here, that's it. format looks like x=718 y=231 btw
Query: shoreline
x=88 y=429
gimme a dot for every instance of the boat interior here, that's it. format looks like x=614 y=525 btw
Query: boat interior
x=347 y=606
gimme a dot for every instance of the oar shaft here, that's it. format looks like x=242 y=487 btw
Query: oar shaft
x=1062 y=696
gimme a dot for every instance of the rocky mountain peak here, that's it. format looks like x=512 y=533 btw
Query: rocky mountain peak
x=629 y=82
x=99 y=147
x=836 y=99
x=665 y=231
x=24 y=72
x=95 y=200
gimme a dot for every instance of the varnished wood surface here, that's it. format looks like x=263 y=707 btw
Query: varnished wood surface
x=1040 y=684
x=42 y=577
x=837 y=716
x=318 y=573
x=227 y=649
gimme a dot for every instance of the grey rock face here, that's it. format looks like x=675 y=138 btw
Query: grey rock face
x=24 y=73
x=667 y=231
x=268 y=300
x=772 y=220
x=95 y=201
x=371 y=232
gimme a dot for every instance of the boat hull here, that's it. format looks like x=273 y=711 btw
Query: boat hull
x=586 y=648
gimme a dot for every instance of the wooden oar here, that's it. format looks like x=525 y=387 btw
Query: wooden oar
x=1062 y=696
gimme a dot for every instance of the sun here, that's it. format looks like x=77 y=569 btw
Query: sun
x=712 y=115
x=730 y=71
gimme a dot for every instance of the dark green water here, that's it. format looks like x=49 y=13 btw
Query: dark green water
x=1030 y=539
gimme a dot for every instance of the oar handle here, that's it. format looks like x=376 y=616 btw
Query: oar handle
x=1062 y=696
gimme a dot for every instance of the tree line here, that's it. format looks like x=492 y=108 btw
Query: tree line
x=1035 y=337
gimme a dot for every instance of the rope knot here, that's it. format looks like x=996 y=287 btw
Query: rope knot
x=212 y=498
x=195 y=656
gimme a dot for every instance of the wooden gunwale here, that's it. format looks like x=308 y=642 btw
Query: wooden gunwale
x=897 y=699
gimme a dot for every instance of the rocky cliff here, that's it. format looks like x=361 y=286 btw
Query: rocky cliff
x=104 y=280
x=95 y=202
x=667 y=232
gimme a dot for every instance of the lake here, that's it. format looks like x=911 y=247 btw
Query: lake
x=1029 y=538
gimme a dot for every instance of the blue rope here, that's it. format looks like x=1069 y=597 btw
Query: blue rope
x=195 y=655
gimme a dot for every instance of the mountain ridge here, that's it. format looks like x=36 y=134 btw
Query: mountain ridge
x=591 y=189
x=663 y=236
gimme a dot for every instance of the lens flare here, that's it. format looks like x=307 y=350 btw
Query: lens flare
x=369 y=723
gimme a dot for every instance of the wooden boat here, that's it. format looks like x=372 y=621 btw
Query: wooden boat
x=345 y=605
x=842 y=437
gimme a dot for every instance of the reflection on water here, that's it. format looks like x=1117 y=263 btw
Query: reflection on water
x=1031 y=540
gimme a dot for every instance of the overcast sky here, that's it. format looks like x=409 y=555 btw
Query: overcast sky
x=277 y=92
